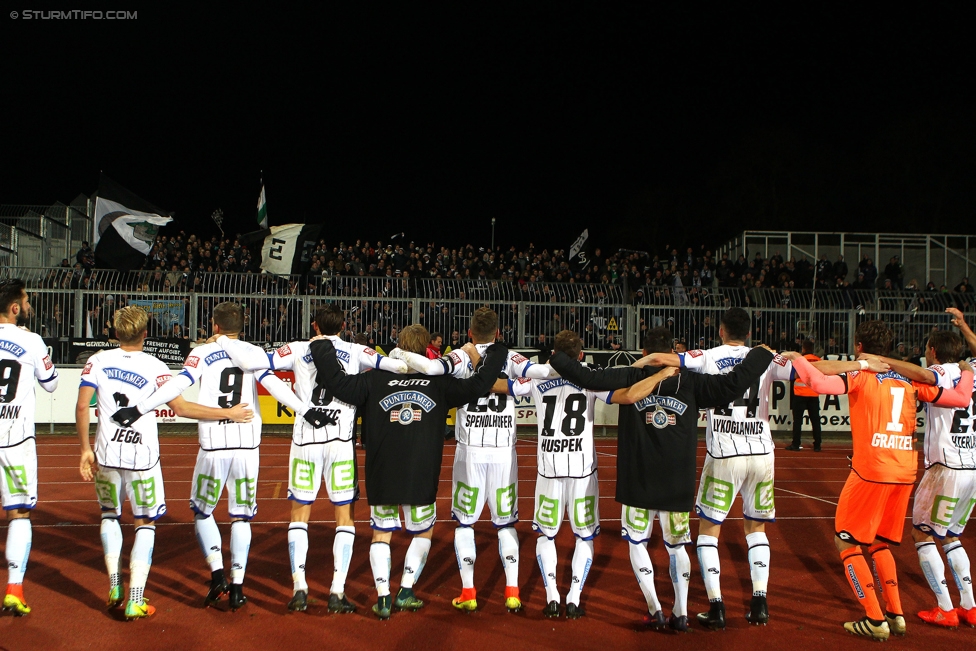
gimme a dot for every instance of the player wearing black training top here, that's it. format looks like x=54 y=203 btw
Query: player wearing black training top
x=656 y=447
x=403 y=433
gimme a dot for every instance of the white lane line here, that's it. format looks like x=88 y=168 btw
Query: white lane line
x=779 y=489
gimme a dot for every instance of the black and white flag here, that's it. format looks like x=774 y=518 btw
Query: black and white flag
x=288 y=248
x=125 y=227
x=579 y=252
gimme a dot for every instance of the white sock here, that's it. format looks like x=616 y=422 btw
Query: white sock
x=414 y=563
x=112 y=548
x=508 y=549
x=711 y=568
x=341 y=557
x=758 y=562
x=208 y=536
x=582 y=561
x=933 y=569
x=19 y=536
x=379 y=561
x=640 y=561
x=466 y=552
x=680 y=566
x=240 y=545
x=545 y=554
x=140 y=560
x=959 y=564
x=297 y=553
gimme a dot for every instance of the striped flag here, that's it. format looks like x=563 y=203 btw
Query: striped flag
x=262 y=208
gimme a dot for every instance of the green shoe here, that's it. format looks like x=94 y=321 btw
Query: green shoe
x=382 y=607
x=114 y=597
x=138 y=609
x=406 y=600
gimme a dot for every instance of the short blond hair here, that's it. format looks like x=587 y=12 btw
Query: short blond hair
x=414 y=339
x=130 y=324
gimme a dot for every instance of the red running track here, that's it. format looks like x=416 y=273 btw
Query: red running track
x=66 y=583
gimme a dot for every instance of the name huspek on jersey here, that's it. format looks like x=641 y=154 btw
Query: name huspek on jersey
x=124 y=379
x=297 y=357
x=565 y=422
x=950 y=438
x=742 y=427
x=223 y=385
x=488 y=421
x=23 y=357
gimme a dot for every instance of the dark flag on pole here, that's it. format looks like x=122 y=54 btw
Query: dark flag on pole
x=125 y=227
x=286 y=249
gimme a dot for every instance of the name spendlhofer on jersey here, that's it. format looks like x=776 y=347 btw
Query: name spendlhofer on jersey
x=565 y=421
x=741 y=428
x=489 y=421
x=223 y=385
x=23 y=357
x=354 y=359
x=124 y=378
x=950 y=438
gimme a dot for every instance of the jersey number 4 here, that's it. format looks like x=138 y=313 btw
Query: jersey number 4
x=750 y=400
x=574 y=418
x=9 y=379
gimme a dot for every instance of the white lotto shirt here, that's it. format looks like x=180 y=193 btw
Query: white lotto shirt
x=565 y=418
x=489 y=421
x=23 y=357
x=950 y=439
x=742 y=428
x=124 y=378
x=223 y=385
x=354 y=359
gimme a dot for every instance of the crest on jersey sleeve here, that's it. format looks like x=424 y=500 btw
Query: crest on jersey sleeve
x=696 y=353
x=87 y=369
x=48 y=364
x=284 y=351
x=162 y=379
x=191 y=361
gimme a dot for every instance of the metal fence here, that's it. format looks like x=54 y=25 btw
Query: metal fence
x=41 y=236
x=70 y=304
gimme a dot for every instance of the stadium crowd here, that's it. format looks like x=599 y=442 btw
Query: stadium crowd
x=370 y=279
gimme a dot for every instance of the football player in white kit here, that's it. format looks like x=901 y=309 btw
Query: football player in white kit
x=322 y=446
x=229 y=455
x=567 y=483
x=946 y=496
x=128 y=455
x=739 y=460
x=23 y=357
x=485 y=464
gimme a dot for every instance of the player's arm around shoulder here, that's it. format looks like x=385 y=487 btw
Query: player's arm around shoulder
x=958 y=397
x=351 y=389
x=642 y=389
x=660 y=359
x=610 y=379
x=815 y=379
x=458 y=392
